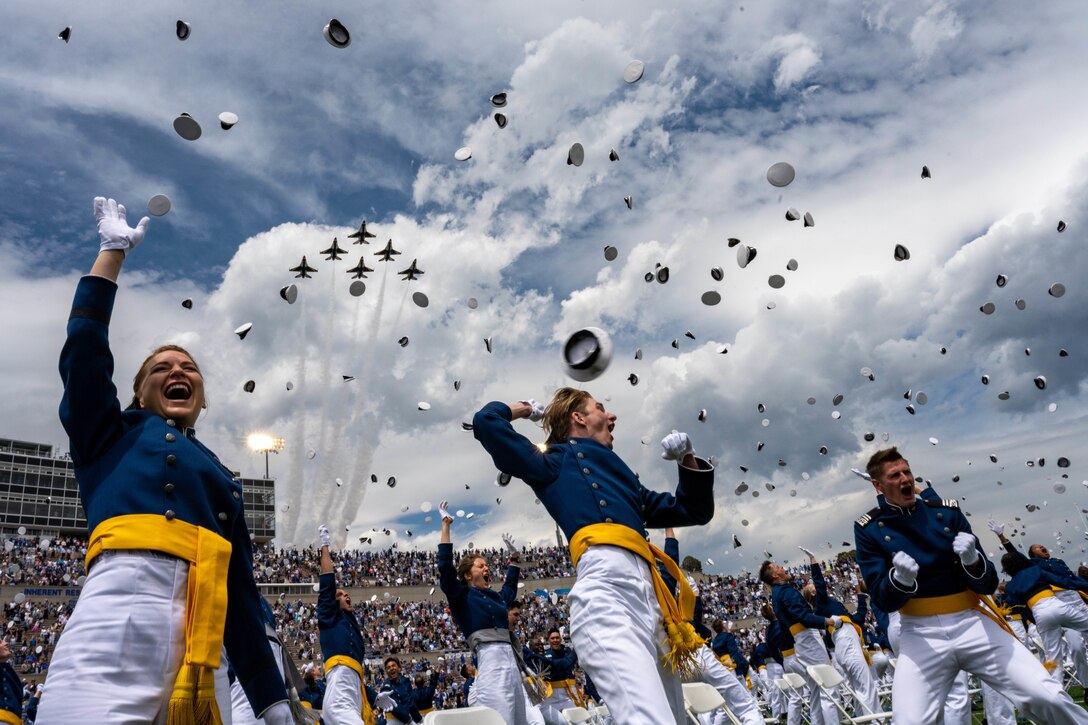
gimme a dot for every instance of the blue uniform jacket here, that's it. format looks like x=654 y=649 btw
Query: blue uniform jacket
x=11 y=691
x=758 y=656
x=135 y=462
x=314 y=693
x=582 y=482
x=925 y=532
x=405 y=696
x=791 y=608
x=423 y=699
x=338 y=629
x=825 y=605
x=475 y=608
x=561 y=663
x=1034 y=579
x=779 y=638
x=724 y=643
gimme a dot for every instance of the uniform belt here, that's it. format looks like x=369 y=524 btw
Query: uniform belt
x=951 y=603
x=1016 y=616
x=861 y=636
x=796 y=628
x=426 y=710
x=1040 y=596
x=788 y=652
x=7 y=716
x=353 y=664
x=208 y=555
x=571 y=686
x=677 y=612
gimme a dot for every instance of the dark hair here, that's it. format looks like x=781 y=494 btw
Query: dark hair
x=555 y=630
x=875 y=466
x=465 y=565
x=765 y=572
x=141 y=374
x=1013 y=563
x=768 y=612
x=389 y=659
x=557 y=415
x=718 y=626
x=516 y=604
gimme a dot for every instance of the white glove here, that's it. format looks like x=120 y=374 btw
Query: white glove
x=509 y=541
x=904 y=569
x=323 y=535
x=964 y=546
x=995 y=527
x=278 y=714
x=807 y=552
x=113 y=227
x=675 y=446
x=836 y=621
x=384 y=700
x=444 y=510
x=538 y=409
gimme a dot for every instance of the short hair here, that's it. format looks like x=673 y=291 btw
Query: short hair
x=557 y=415
x=516 y=604
x=875 y=466
x=142 y=373
x=1033 y=548
x=765 y=572
x=465 y=565
x=389 y=659
x=554 y=630
x=718 y=626
x=1013 y=563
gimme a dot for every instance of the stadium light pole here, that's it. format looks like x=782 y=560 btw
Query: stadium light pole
x=264 y=443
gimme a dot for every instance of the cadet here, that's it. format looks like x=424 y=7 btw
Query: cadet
x=919 y=557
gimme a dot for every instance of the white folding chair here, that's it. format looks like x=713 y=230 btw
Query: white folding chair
x=701 y=697
x=793 y=683
x=577 y=715
x=602 y=712
x=464 y=716
x=827 y=678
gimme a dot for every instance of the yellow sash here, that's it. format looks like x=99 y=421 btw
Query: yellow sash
x=571 y=686
x=1078 y=591
x=368 y=712
x=789 y=652
x=928 y=606
x=208 y=555
x=796 y=628
x=727 y=661
x=861 y=637
x=1044 y=594
x=683 y=641
x=7 y=716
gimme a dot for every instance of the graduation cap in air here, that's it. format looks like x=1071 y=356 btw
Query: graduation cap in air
x=336 y=34
x=736 y=542
x=632 y=72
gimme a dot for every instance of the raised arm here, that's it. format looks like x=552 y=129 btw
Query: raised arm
x=511 y=452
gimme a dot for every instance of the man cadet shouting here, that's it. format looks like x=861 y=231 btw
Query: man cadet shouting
x=919 y=557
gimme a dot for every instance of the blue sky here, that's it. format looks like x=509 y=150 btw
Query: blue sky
x=856 y=96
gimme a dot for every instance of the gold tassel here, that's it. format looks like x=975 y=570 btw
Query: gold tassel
x=193 y=700
x=683 y=642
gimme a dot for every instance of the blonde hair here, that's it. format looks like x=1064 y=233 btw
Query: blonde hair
x=557 y=415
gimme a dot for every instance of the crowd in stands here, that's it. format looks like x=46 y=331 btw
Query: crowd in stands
x=407 y=628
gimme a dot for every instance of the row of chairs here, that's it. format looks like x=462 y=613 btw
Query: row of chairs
x=827 y=678
x=487 y=716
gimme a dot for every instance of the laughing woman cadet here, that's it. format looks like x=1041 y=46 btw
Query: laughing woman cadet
x=170 y=577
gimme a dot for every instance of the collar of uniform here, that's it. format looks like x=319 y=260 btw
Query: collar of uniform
x=893 y=508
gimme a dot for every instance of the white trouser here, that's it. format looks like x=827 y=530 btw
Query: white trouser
x=343 y=703
x=552 y=708
x=933 y=649
x=616 y=628
x=1052 y=614
x=737 y=698
x=957 y=706
x=775 y=697
x=498 y=685
x=241 y=712
x=810 y=650
x=895 y=623
x=850 y=657
x=998 y=709
x=121 y=650
x=880 y=664
x=794 y=702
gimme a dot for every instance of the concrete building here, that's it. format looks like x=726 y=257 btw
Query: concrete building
x=38 y=492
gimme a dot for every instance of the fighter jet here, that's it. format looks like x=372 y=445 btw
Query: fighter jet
x=386 y=255
x=359 y=271
x=334 y=252
x=362 y=235
x=303 y=269
x=412 y=272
